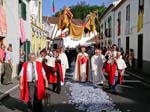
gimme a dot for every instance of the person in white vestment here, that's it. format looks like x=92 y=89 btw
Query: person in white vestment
x=97 y=62
x=82 y=67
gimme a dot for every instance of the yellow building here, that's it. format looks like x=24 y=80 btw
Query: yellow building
x=38 y=39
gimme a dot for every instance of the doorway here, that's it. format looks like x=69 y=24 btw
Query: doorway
x=127 y=43
x=140 y=50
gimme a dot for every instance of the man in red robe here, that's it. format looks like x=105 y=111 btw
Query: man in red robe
x=117 y=67
x=32 y=85
x=57 y=77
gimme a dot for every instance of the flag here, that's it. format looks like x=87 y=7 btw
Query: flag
x=22 y=31
x=76 y=31
x=53 y=6
x=140 y=21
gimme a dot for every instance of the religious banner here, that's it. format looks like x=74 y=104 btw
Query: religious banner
x=140 y=15
x=90 y=25
x=65 y=18
x=76 y=31
x=22 y=31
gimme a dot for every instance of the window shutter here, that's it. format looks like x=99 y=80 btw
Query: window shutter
x=23 y=10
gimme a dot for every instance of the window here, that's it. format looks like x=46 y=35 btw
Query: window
x=109 y=22
x=141 y=6
x=119 y=15
x=39 y=12
x=128 y=13
x=119 y=23
x=22 y=9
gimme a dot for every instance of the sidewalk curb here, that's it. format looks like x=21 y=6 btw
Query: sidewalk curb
x=3 y=96
x=138 y=77
x=6 y=94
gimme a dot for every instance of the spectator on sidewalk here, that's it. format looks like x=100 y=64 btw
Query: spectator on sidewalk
x=32 y=86
x=2 y=58
x=131 y=58
x=7 y=66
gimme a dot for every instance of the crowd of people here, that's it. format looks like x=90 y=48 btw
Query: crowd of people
x=93 y=69
x=91 y=65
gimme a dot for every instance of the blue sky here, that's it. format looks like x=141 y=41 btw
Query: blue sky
x=59 y=4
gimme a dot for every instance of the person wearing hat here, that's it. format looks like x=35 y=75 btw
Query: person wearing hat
x=57 y=77
x=48 y=63
x=82 y=68
x=64 y=62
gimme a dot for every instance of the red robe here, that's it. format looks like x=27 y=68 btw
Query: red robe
x=107 y=68
x=24 y=95
x=111 y=74
x=82 y=60
x=52 y=78
x=120 y=77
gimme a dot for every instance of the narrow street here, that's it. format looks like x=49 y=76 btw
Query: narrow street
x=133 y=96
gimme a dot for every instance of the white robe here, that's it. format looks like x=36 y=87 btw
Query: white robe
x=50 y=60
x=83 y=71
x=64 y=63
x=121 y=64
x=97 y=68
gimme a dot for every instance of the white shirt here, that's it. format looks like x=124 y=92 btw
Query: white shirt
x=121 y=64
x=64 y=60
x=103 y=58
x=9 y=57
x=50 y=60
x=29 y=72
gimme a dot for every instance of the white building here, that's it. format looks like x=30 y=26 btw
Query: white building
x=126 y=35
x=39 y=33
x=107 y=26
x=14 y=10
x=130 y=37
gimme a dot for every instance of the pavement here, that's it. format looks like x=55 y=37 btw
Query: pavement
x=6 y=89
x=140 y=72
x=133 y=96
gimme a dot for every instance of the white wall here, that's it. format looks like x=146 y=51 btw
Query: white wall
x=146 y=31
x=13 y=29
x=105 y=18
x=34 y=8
x=133 y=26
